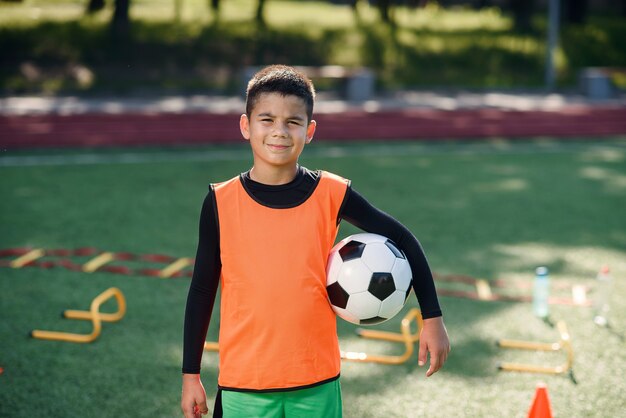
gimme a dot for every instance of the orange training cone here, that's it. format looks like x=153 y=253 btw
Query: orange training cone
x=541 y=404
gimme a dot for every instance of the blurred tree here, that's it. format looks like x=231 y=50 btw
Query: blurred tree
x=120 y=23
x=414 y=4
x=178 y=5
x=384 y=8
x=522 y=14
x=481 y=4
x=260 y=9
x=215 y=7
x=575 y=11
x=355 y=10
x=355 y=7
x=94 y=6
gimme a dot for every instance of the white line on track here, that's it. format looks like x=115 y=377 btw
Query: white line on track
x=349 y=150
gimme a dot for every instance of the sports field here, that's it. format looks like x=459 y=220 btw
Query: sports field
x=493 y=210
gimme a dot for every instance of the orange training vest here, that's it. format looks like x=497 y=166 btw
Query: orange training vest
x=277 y=329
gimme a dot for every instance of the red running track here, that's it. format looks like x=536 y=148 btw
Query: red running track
x=98 y=129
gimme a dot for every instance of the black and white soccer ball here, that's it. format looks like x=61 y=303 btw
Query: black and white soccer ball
x=368 y=279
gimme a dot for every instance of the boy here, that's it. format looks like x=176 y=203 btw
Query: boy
x=266 y=235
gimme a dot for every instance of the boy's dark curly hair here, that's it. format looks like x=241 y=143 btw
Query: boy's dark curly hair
x=284 y=80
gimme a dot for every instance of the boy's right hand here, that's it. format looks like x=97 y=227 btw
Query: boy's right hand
x=193 y=401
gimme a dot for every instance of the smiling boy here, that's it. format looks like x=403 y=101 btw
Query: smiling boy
x=265 y=236
x=278 y=129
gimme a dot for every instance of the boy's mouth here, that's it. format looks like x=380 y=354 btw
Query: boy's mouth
x=277 y=147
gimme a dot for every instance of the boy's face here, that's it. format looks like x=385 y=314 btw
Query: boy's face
x=277 y=130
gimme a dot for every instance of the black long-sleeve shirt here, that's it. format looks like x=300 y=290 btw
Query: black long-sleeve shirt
x=355 y=209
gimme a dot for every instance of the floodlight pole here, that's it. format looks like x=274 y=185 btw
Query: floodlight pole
x=553 y=38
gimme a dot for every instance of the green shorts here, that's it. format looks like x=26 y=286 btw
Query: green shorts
x=323 y=401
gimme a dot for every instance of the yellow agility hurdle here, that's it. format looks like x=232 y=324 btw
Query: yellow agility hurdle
x=211 y=346
x=93 y=314
x=563 y=344
x=26 y=258
x=405 y=336
x=175 y=267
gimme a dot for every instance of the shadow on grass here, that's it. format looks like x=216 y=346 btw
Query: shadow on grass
x=472 y=358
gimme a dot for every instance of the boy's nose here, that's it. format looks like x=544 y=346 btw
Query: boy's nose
x=280 y=129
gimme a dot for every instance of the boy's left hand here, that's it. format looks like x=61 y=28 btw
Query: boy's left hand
x=433 y=341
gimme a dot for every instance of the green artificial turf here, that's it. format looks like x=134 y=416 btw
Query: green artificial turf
x=491 y=210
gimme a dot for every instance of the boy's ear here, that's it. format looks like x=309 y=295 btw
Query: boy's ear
x=310 y=131
x=244 y=126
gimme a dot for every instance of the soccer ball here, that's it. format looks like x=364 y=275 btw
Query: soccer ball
x=368 y=279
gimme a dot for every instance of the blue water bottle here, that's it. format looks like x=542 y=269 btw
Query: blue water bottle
x=541 y=293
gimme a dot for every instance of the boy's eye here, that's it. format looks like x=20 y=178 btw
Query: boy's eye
x=293 y=122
